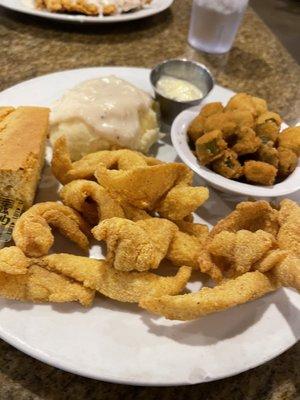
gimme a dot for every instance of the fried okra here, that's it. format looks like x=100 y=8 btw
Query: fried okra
x=212 y=108
x=260 y=172
x=267 y=153
x=290 y=139
x=210 y=146
x=222 y=122
x=243 y=138
x=268 y=126
x=244 y=101
x=196 y=129
x=228 y=165
x=246 y=141
x=287 y=161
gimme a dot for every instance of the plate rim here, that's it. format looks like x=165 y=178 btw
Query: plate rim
x=47 y=359
x=85 y=19
x=29 y=351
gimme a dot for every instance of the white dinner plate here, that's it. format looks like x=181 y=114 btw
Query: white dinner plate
x=27 y=7
x=121 y=343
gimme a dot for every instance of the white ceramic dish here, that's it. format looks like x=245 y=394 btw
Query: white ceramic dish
x=179 y=139
x=121 y=343
x=27 y=7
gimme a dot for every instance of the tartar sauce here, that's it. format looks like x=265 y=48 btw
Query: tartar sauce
x=178 y=89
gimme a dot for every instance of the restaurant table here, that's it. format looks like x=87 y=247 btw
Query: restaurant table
x=257 y=64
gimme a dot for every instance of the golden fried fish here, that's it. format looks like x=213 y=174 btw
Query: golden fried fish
x=135 y=245
x=117 y=285
x=41 y=285
x=250 y=216
x=142 y=187
x=233 y=292
x=83 y=195
x=32 y=232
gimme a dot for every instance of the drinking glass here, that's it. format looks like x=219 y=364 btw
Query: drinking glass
x=214 y=24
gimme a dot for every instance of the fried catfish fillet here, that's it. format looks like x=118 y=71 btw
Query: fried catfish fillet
x=239 y=251
x=41 y=285
x=142 y=187
x=289 y=233
x=118 y=285
x=251 y=216
x=90 y=199
x=135 y=245
x=65 y=171
x=287 y=272
x=181 y=201
x=185 y=248
x=13 y=261
x=233 y=292
x=32 y=232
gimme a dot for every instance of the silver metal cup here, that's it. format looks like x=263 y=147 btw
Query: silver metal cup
x=191 y=71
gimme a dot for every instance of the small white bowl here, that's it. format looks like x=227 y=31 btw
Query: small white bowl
x=179 y=139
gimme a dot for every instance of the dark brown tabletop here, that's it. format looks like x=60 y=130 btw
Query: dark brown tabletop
x=258 y=64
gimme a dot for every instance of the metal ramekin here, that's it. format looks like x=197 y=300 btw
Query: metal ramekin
x=191 y=71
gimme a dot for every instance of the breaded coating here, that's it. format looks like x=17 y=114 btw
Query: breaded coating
x=185 y=249
x=246 y=141
x=32 y=232
x=239 y=251
x=136 y=246
x=196 y=128
x=289 y=233
x=271 y=260
x=66 y=171
x=82 y=195
x=247 y=287
x=290 y=139
x=181 y=201
x=260 y=172
x=268 y=154
x=250 y=216
x=229 y=122
x=244 y=101
x=118 y=285
x=13 y=261
x=211 y=109
x=228 y=165
x=287 y=161
x=242 y=118
x=194 y=229
x=287 y=272
x=40 y=285
x=207 y=265
x=142 y=187
x=210 y=147
x=268 y=126
x=220 y=122
x=133 y=213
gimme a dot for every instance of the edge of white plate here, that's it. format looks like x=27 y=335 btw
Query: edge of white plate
x=83 y=19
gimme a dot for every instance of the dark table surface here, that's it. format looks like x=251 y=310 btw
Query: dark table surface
x=257 y=64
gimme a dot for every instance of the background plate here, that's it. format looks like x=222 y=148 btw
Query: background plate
x=26 y=6
x=121 y=343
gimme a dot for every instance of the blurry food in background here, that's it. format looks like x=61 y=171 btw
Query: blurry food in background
x=92 y=7
x=102 y=114
x=243 y=141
